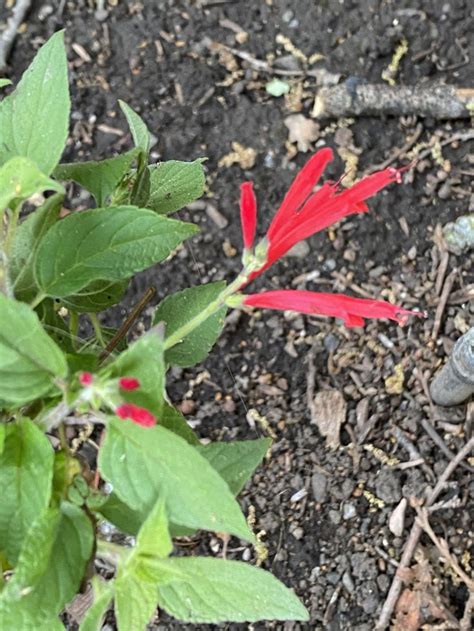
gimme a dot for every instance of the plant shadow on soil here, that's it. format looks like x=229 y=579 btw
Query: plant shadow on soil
x=323 y=514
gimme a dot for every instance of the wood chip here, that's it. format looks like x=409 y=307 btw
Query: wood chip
x=329 y=413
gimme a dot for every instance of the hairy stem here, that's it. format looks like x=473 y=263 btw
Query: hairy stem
x=178 y=336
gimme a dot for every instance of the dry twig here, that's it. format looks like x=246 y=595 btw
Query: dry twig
x=413 y=538
x=443 y=299
x=8 y=36
x=128 y=323
x=354 y=98
x=443 y=549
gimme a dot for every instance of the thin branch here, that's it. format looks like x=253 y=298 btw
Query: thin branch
x=442 y=546
x=128 y=323
x=412 y=541
x=8 y=36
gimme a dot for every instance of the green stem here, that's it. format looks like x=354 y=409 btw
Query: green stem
x=111 y=552
x=178 y=336
x=74 y=328
x=6 y=241
x=37 y=299
x=97 y=328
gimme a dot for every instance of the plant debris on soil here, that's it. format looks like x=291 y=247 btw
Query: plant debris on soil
x=334 y=502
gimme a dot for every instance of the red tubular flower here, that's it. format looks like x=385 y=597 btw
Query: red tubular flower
x=86 y=378
x=299 y=191
x=129 y=383
x=248 y=213
x=138 y=415
x=351 y=310
x=304 y=213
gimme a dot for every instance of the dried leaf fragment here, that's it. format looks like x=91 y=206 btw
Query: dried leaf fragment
x=328 y=412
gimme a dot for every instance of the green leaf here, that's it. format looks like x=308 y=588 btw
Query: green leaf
x=27 y=237
x=101 y=177
x=96 y=297
x=29 y=359
x=26 y=472
x=142 y=463
x=34 y=117
x=55 y=325
x=69 y=554
x=20 y=178
x=236 y=461
x=136 y=598
x=143 y=360
x=103 y=594
x=175 y=184
x=34 y=557
x=140 y=134
x=173 y=420
x=178 y=310
x=2 y=436
x=209 y=590
x=5 y=82
x=104 y=244
x=135 y=602
x=122 y=516
x=154 y=538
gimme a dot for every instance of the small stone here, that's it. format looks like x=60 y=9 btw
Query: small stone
x=298 y=533
x=335 y=517
x=187 y=406
x=331 y=342
x=299 y=495
x=299 y=251
x=348 y=511
x=216 y=217
x=319 y=486
x=387 y=487
x=329 y=265
x=348 y=582
x=246 y=555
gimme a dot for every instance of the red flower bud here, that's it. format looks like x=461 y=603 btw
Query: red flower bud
x=129 y=383
x=86 y=378
x=138 y=415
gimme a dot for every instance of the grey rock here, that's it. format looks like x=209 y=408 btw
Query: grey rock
x=348 y=511
x=387 y=487
x=319 y=486
x=335 y=517
x=363 y=566
x=367 y=596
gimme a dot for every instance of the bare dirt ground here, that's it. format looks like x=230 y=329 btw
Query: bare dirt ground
x=329 y=509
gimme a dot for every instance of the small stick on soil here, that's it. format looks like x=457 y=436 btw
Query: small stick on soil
x=397 y=153
x=441 y=273
x=443 y=299
x=8 y=36
x=397 y=583
x=442 y=546
x=466 y=621
x=354 y=98
x=128 y=323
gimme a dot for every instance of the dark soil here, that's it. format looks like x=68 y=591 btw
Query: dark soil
x=322 y=513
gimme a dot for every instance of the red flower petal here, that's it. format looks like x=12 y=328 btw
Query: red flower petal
x=351 y=310
x=128 y=383
x=138 y=415
x=325 y=208
x=248 y=213
x=299 y=190
x=86 y=378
